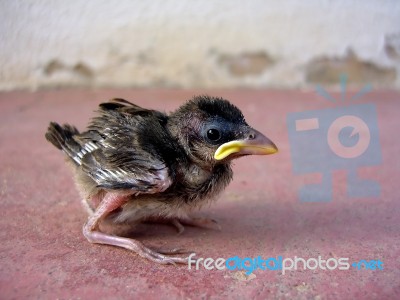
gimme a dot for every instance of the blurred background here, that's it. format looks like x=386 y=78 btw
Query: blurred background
x=60 y=59
x=198 y=44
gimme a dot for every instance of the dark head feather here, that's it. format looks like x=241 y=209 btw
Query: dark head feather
x=219 y=107
x=212 y=107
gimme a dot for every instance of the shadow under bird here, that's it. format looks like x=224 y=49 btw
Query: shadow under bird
x=134 y=164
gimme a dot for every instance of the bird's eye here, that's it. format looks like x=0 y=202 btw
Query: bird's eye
x=213 y=135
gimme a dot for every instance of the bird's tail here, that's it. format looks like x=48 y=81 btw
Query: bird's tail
x=62 y=138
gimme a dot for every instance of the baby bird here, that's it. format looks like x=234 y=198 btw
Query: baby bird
x=134 y=164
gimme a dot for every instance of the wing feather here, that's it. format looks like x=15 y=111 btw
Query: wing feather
x=118 y=152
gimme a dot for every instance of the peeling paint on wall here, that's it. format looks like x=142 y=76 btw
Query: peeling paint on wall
x=254 y=63
x=212 y=44
x=52 y=67
x=326 y=70
x=392 y=46
x=80 y=69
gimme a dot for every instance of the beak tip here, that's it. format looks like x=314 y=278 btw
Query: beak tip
x=272 y=150
x=276 y=150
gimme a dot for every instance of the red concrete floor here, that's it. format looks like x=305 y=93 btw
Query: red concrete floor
x=45 y=256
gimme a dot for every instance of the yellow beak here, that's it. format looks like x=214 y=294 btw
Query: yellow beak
x=257 y=145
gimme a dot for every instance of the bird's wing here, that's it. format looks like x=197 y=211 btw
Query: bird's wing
x=125 y=146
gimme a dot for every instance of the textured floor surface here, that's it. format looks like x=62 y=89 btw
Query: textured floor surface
x=44 y=255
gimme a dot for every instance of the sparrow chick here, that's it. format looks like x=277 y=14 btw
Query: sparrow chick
x=134 y=164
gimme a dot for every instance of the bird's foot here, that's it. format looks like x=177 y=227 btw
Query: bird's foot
x=197 y=222
x=158 y=256
x=110 y=202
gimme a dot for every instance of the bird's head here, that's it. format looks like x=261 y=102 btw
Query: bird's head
x=212 y=131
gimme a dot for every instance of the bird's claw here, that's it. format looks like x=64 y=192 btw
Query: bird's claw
x=158 y=256
x=172 y=251
x=179 y=227
x=197 y=222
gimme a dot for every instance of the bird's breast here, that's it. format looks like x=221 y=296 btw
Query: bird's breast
x=196 y=184
x=196 y=175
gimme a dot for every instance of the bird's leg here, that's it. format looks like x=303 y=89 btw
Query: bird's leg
x=195 y=221
x=110 y=202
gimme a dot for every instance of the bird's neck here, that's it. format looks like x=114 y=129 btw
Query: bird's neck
x=196 y=174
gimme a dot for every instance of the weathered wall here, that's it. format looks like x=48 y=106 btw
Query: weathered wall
x=198 y=44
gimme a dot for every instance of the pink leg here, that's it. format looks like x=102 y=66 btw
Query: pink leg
x=110 y=202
